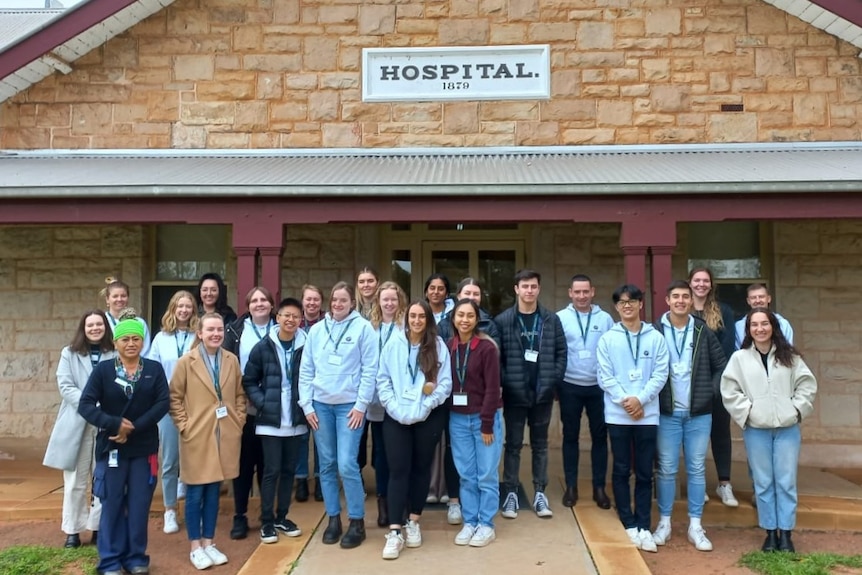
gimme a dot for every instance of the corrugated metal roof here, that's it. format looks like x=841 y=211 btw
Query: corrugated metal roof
x=18 y=23
x=729 y=168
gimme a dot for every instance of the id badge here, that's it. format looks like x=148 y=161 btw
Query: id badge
x=120 y=381
x=584 y=354
x=334 y=359
x=221 y=412
x=679 y=368
x=531 y=355
x=635 y=375
x=411 y=394
x=113 y=458
x=459 y=399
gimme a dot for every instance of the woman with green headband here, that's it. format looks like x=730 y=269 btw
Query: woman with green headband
x=125 y=398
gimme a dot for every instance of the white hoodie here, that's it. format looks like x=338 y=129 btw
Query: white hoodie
x=401 y=394
x=581 y=366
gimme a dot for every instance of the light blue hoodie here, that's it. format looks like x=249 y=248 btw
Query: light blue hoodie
x=168 y=347
x=580 y=368
x=352 y=380
x=616 y=361
x=386 y=331
x=395 y=384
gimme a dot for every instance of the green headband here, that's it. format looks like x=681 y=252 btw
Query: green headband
x=128 y=327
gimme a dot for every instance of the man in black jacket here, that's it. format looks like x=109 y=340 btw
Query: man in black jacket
x=533 y=358
x=696 y=363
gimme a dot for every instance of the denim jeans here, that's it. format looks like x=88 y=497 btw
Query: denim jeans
x=302 y=459
x=279 y=465
x=676 y=431
x=773 y=455
x=574 y=400
x=169 y=442
x=202 y=510
x=633 y=443
x=539 y=418
x=338 y=447
x=477 y=465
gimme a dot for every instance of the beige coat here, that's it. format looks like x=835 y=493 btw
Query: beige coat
x=209 y=447
x=753 y=398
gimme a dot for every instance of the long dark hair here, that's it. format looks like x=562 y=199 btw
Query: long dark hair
x=81 y=345
x=221 y=305
x=428 y=360
x=431 y=278
x=784 y=350
x=476 y=331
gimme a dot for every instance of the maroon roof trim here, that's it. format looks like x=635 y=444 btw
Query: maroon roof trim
x=850 y=10
x=58 y=32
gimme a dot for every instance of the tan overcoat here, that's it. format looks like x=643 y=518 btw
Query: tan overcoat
x=209 y=446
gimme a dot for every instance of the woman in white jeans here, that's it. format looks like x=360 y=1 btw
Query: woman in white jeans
x=72 y=443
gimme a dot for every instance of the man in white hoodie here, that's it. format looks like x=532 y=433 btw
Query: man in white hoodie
x=633 y=368
x=583 y=324
x=757 y=295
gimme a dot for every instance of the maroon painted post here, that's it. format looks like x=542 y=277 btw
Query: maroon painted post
x=246 y=274
x=270 y=269
x=662 y=275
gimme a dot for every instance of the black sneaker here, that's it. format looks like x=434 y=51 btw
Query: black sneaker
x=240 y=527
x=288 y=527
x=268 y=534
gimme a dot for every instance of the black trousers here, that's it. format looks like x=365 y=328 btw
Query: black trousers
x=250 y=460
x=722 y=447
x=280 y=455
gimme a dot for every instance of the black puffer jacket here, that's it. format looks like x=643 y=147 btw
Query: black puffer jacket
x=552 y=359
x=707 y=364
x=486 y=326
x=262 y=381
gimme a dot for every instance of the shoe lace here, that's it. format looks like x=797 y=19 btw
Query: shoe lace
x=511 y=502
x=541 y=502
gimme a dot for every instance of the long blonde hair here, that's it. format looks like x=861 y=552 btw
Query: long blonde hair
x=711 y=309
x=376 y=316
x=169 y=320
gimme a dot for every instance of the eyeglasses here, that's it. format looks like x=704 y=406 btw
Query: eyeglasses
x=628 y=303
x=289 y=316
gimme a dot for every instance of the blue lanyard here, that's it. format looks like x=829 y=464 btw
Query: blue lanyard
x=215 y=374
x=340 y=337
x=680 y=348
x=531 y=337
x=414 y=369
x=460 y=370
x=637 y=350
x=584 y=332
x=388 y=335
x=95 y=356
x=266 y=330
x=288 y=353
x=181 y=347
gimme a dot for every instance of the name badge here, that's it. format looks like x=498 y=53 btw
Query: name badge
x=119 y=381
x=459 y=399
x=531 y=355
x=334 y=359
x=584 y=354
x=635 y=375
x=221 y=412
x=411 y=394
x=113 y=458
x=679 y=368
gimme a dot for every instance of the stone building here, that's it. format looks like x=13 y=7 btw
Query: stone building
x=155 y=140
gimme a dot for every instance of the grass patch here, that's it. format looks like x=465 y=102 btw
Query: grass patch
x=798 y=564
x=31 y=559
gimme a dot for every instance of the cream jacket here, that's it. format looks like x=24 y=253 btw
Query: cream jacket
x=754 y=398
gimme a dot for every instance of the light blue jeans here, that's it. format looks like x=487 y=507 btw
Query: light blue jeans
x=773 y=456
x=477 y=464
x=676 y=431
x=169 y=443
x=338 y=447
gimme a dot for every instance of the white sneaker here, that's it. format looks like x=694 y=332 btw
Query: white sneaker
x=444 y=499
x=662 y=533
x=453 y=514
x=218 y=558
x=483 y=536
x=705 y=497
x=414 y=535
x=697 y=537
x=181 y=490
x=200 y=559
x=647 y=544
x=726 y=494
x=465 y=535
x=634 y=536
x=171 y=522
x=540 y=504
x=511 y=506
x=431 y=499
x=394 y=545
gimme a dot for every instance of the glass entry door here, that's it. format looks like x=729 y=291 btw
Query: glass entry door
x=493 y=263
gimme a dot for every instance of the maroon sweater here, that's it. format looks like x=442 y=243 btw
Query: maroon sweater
x=482 y=380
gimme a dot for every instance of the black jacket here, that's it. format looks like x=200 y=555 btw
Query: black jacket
x=262 y=383
x=486 y=326
x=104 y=405
x=233 y=333
x=552 y=359
x=707 y=365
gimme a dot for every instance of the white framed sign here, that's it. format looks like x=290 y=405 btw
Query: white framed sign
x=456 y=73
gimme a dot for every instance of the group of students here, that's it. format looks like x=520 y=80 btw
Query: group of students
x=231 y=398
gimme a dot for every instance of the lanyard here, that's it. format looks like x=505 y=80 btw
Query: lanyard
x=215 y=374
x=388 y=335
x=288 y=353
x=531 y=337
x=461 y=371
x=637 y=350
x=95 y=356
x=112 y=320
x=584 y=332
x=266 y=329
x=181 y=347
x=681 y=347
x=340 y=337
x=414 y=369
